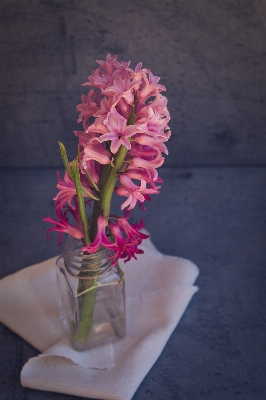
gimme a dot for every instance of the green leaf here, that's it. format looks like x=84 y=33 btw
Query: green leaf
x=65 y=159
x=81 y=204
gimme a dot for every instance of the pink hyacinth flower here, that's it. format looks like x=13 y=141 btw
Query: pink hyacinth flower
x=89 y=106
x=149 y=87
x=98 y=79
x=131 y=230
x=101 y=114
x=119 y=131
x=95 y=151
x=123 y=249
x=133 y=192
x=121 y=88
x=67 y=190
x=109 y=64
x=101 y=238
x=63 y=226
x=127 y=238
x=152 y=142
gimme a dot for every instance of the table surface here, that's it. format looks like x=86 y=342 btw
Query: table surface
x=213 y=216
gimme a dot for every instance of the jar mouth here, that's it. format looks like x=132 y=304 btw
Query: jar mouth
x=89 y=265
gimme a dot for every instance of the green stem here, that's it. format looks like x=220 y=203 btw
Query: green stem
x=81 y=203
x=109 y=185
x=105 y=173
x=95 y=215
x=86 y=304
x=65 y=159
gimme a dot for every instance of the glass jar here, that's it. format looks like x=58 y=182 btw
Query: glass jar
x=91 y=296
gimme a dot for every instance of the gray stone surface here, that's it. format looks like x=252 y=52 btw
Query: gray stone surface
x=213 y=216
x=210 y=54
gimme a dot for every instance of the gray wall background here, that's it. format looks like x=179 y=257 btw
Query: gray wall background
x=210 y=56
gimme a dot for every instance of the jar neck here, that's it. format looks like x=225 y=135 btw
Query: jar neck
x=83 y=264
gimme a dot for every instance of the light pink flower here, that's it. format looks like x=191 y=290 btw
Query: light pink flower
x=141 y=173
x=149 y=86
x=151 y=153
x=93 y=168
x=89 y=161
x=97 y=127
x=138 y=173
x=122 y=65
x=84 y=137
x=118 y=131
x=145 y=156
x=133 y=192
x=98 y=79
x=124 y=107
x=109 y=64
x=121 y=88
x=160 y=104
x=95 y=151
x=109 y=69
x=101 y=114
x=138 y=75
x=152 y=142
x=153 y=121
x=89 y=106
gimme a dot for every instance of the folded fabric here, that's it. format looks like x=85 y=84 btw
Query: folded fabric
x=158 y=290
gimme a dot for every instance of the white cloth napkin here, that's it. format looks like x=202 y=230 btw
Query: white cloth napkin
x=158 y=290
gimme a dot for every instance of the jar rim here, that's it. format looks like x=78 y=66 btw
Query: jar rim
x=89 y=264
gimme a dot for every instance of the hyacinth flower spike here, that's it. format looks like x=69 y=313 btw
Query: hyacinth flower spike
x=125 y=129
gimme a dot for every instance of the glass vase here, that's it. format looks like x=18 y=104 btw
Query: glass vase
x=91 y=296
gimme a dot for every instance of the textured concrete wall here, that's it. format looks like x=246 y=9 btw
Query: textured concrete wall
x=210 y=54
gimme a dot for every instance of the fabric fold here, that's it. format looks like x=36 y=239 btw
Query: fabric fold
x=158 y=290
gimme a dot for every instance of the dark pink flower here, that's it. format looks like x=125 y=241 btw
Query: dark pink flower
x=101 y=238
x=63 y=226
x=125 y=238
x=132 y=230
x=67 y=190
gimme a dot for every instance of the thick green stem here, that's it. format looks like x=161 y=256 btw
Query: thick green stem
x=86 y=304
x=81 y=203
x=95 y=215
x=109 y=185
x=104 y=175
